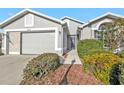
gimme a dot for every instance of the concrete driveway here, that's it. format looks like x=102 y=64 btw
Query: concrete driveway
x=11 y=68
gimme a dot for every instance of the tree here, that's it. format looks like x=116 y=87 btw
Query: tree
x=113 y=34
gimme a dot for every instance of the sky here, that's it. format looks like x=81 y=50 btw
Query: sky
x=82 y=14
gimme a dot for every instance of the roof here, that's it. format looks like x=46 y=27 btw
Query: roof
x=109 y=14
x=73 y=19
x=23 y=12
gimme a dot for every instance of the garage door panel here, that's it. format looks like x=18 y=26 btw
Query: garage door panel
x=37 y=43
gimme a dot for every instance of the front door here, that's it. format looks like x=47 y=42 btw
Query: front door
x=71 y=42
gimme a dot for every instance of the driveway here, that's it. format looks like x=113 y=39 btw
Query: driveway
x=11 y=68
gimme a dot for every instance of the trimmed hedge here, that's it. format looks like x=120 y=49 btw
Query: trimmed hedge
x=41 y=66
x=89 y=46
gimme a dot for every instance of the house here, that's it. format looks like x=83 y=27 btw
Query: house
x=72 y=27
x=31 y=32
x=89 y=29
x=1 y=37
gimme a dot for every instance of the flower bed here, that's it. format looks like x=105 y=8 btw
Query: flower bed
x=97 y=60
x=100 y=65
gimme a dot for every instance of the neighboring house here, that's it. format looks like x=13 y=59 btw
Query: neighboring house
x=30 y=32
x=89 y=30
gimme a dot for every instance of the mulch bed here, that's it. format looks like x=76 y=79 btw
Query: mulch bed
x=66 y=74
x=77 y=76
x=53 y=78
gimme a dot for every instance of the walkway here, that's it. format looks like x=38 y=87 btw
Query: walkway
x=71 y=57
x=69 y=73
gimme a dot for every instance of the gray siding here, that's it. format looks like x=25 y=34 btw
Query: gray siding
x=39 y=22
x=72 y=26
x=94 y=24
x=86 y=33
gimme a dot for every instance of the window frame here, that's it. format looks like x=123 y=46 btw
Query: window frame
x=32 y=20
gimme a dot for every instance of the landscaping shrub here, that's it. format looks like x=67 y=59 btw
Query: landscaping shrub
x=41 y=66
x=100 y=64
x=1 y=52
x=89 y=46
x=121 y=54
x=121 y=75
x=117 y=74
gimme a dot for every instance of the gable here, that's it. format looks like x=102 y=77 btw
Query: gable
x=108 y=15
x=96 y=23
x=39 y=22
x=22 y=13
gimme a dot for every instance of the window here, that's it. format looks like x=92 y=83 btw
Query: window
x=98 y=35
x=29 y=20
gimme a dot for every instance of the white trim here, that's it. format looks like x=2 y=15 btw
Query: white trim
x=49 y=17
x=37 y=29
x=106 y=14
x=101 y=22
x=32 y=19
x=30 y=11
x=104 y=21
x=20 y=30
x=68 y=23
x=5 y=42
x=12 y=17
x=57 y=40
x=94 y=29
x=73 y=19
x=3 y=48
x=17 y=53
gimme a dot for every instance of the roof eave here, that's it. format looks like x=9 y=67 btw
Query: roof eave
x=26 y=11
x=67 y=17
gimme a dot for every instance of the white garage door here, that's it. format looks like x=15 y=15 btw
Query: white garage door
x=37 y=43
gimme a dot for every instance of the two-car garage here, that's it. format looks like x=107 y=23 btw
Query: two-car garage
x=34 y=42
x=31 y=32
x=37 y=42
